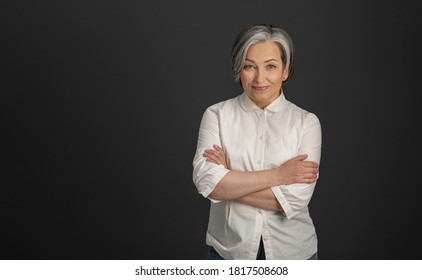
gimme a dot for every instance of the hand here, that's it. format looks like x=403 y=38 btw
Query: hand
x=297 y=170
x=217 y=156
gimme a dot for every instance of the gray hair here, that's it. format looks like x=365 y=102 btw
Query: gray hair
x=258 y=34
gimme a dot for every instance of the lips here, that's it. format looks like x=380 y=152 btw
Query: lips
x=260 y=88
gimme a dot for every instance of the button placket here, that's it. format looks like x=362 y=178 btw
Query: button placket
x=261 y=133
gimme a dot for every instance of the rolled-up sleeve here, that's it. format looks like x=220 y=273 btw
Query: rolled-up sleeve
x=206 y=175
x=295 y=198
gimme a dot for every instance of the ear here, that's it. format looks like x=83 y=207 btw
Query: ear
x=285 y=75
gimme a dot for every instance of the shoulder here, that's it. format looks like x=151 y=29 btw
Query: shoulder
x=302 y=115
x=224 y=105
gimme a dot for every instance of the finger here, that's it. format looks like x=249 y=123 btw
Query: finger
x=308 y=180
x=210 y=154
x=311 y=164
x=211 y=160
x=214 y=157
x=218 y=152
x=218 y=149
x=300 y=157
x=311 y=169
x=309 y=174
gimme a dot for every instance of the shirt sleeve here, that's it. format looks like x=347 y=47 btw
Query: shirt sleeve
x=206 y=175
x=295 y=198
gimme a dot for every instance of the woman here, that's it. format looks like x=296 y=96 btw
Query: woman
x=257 y=157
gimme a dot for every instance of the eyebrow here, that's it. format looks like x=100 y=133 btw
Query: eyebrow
x=247 y=59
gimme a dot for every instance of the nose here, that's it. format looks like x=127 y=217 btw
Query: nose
x=259 y=76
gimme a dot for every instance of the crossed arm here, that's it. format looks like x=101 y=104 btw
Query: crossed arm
x=254 y=187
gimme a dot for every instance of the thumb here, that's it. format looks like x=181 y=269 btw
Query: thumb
x=301 y=157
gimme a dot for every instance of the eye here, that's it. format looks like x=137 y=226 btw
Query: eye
x=248 y=67
x=271 y=66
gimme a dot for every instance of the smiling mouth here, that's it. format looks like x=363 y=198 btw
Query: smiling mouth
x=260 y=88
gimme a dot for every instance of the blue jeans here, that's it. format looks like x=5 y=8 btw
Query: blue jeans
x=213 y=255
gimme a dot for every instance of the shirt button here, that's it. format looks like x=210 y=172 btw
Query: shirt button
x=260 y=137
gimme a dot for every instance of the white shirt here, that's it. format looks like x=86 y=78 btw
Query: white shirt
x=258 y=139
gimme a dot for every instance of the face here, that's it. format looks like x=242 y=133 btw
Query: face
x=263 y=73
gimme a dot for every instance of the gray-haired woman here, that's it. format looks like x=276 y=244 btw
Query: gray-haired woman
x=257 y=157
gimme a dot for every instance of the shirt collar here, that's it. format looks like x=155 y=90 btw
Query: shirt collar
x=275 y=106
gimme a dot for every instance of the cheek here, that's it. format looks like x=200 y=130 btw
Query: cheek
x=246 y=78
x=276 y=79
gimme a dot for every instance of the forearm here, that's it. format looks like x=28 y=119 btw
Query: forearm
x=236 y=184
x=264 y=199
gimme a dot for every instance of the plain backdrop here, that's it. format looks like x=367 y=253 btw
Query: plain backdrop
x=101 y=103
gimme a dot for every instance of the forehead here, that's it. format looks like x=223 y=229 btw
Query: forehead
x=264 y=51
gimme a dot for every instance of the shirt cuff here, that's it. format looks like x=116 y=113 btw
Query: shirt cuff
x=213 y=181
x=281 y=198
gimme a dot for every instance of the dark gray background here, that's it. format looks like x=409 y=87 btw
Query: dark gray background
x=101 y=103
